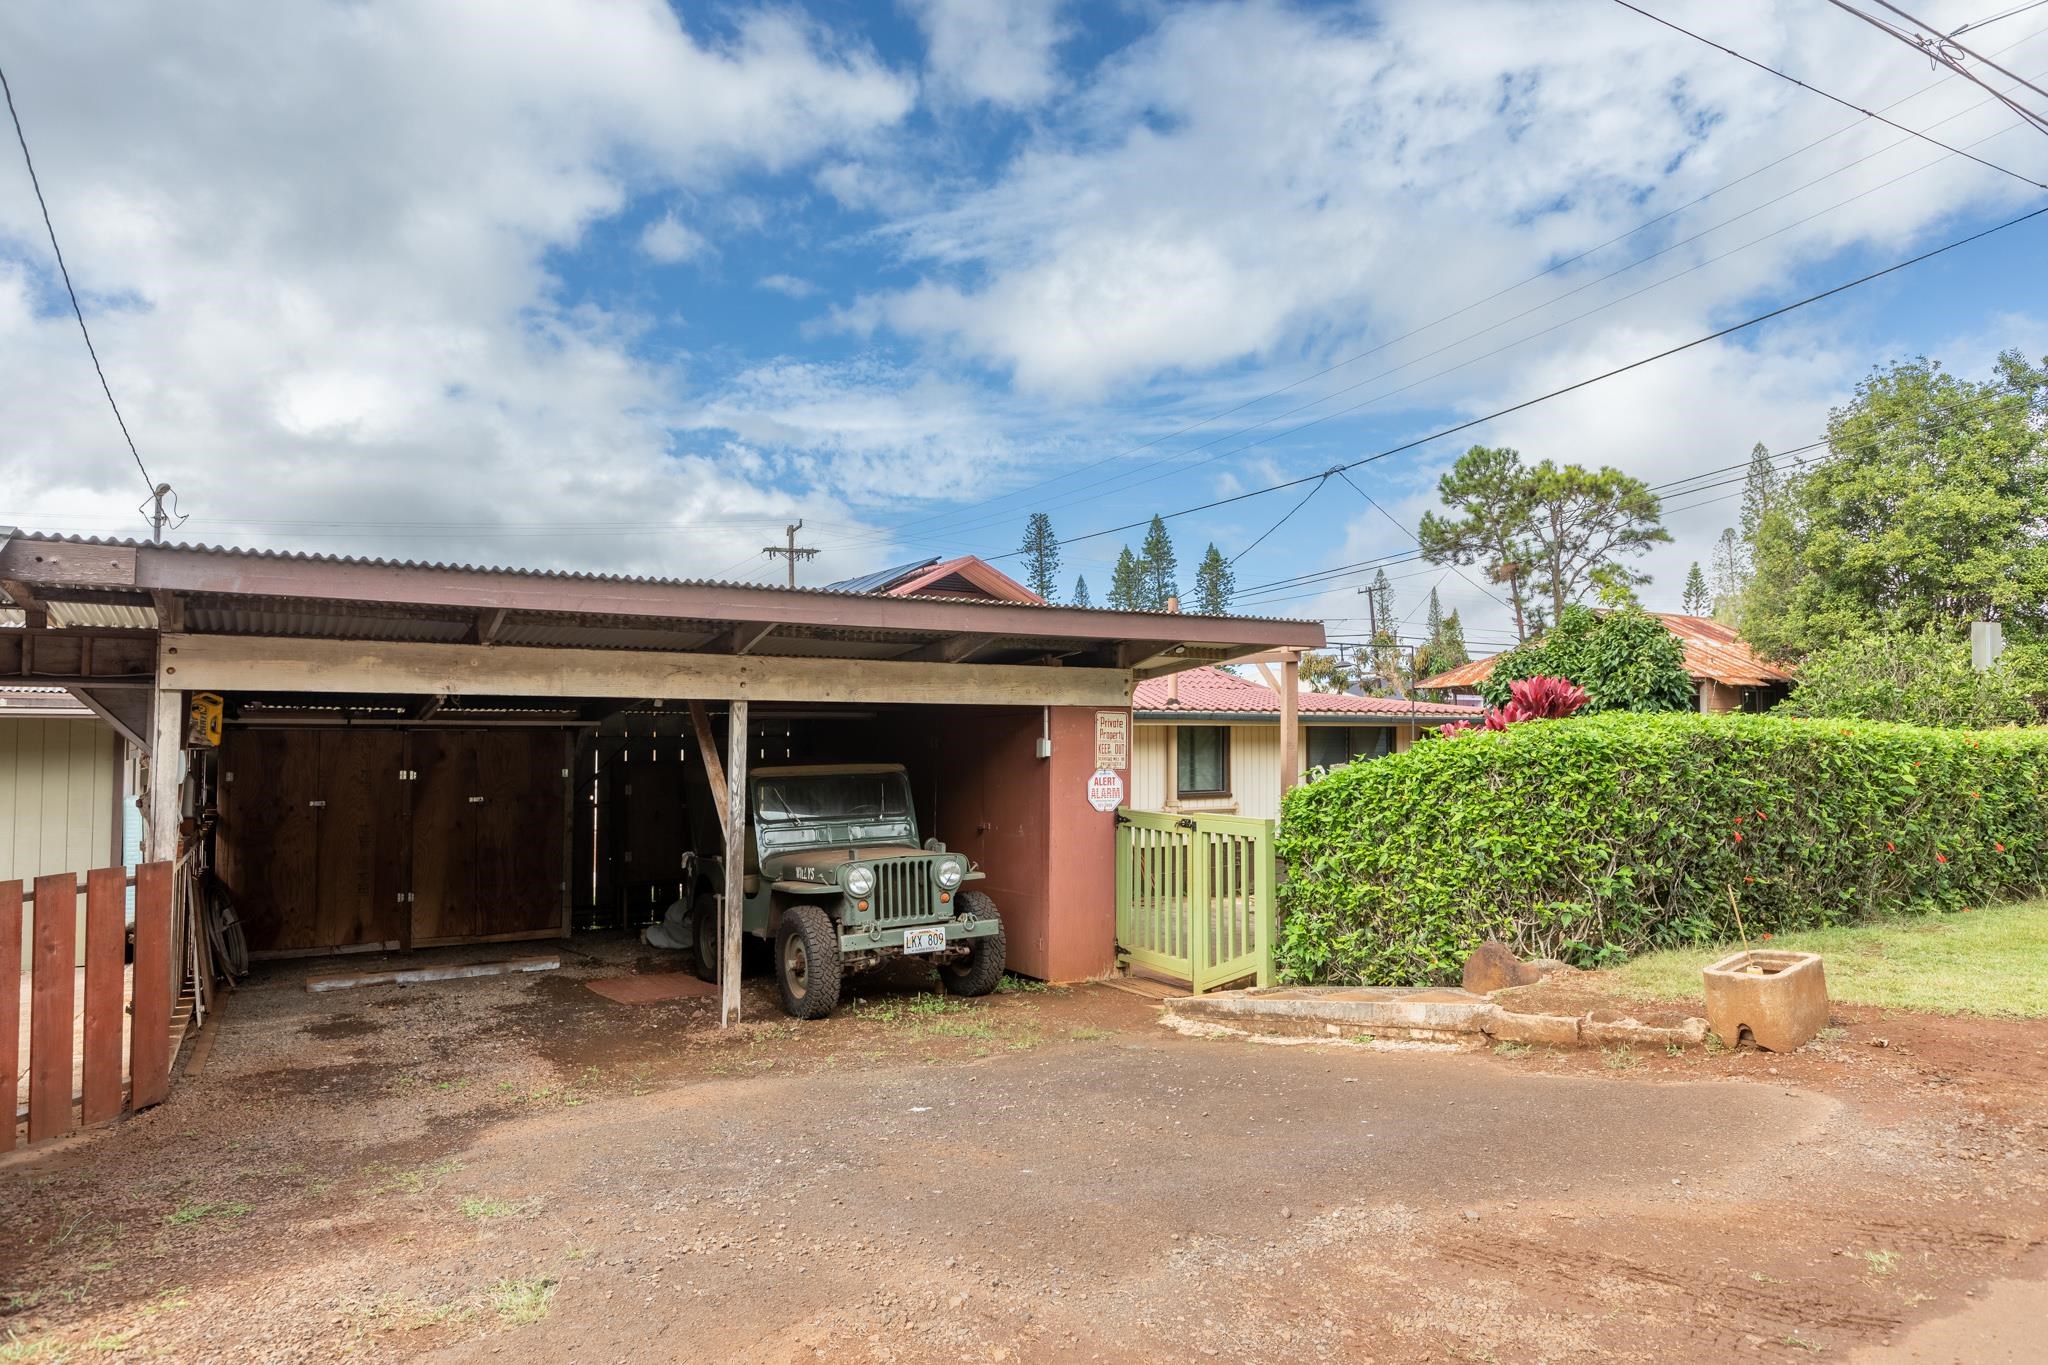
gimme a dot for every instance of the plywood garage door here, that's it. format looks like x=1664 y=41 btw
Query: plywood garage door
x=489 y=834
x=313 y=836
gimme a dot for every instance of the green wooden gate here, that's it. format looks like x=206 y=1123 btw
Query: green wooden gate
x=1194 y=896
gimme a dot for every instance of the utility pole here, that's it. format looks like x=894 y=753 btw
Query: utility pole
x=792 y=552
x=157 y=516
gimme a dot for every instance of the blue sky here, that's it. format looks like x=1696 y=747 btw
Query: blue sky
x=627 y=286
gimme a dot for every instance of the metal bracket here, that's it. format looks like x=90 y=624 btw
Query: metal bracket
x=1184 y=823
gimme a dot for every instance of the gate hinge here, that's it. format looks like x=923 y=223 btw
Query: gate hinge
x=1184 y=823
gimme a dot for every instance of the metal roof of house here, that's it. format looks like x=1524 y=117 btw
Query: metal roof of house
x=1713 y=653
x=881 y=578
x=1216 y=691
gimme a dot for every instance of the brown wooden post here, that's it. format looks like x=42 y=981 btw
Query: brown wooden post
x=49 y=1019
x=707 y=745
x=10 y=1009
x=1290 y=721
x=149 y=1038
x=106 y=895
x=735 y=864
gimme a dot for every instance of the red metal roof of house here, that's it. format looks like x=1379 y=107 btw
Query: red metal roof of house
x=1713 y=651
x=1215 y=691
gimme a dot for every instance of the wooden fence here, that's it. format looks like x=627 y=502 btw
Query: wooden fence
x=75 y=1065
x=1194 y=896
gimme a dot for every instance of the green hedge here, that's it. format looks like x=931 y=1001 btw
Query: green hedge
x=1595 y=838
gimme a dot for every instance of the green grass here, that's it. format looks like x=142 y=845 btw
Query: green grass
x=522 y=1301
x=198 y=1213
x=1988 y=961
x=481 y=1209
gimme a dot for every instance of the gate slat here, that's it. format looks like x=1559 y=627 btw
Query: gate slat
x=149 y=1043
x=51 y=973
x=10 y=1010
x=106 y=896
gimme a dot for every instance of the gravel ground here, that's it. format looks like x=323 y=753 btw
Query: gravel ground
x=517 y=1166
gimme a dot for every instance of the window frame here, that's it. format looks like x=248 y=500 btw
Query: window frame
x=1223 y=764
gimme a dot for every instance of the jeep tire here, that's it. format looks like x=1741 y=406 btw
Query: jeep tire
x=981 y=970
x=807 y=962
x=704 y=944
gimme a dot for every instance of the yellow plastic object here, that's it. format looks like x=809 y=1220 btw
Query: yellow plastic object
x=204 y=727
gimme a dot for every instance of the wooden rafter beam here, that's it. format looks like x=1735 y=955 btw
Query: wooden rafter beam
x=484 y=630
x=742 y=638
x=954 y=649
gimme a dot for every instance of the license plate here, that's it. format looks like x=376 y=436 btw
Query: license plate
x=924 y=940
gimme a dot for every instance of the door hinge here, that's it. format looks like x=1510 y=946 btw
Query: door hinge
x=476 y=800
x=316 y=803
x=408 y=775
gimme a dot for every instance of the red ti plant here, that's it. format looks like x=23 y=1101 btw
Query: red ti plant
x=1538 y=698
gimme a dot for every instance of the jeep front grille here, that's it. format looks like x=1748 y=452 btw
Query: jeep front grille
x=902 y=891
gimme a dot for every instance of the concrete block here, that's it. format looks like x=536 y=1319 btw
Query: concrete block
x=1548 y=1030
x=1781 y=998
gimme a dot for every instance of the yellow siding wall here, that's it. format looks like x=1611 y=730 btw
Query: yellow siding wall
x=59 y=781
x=1254 y=769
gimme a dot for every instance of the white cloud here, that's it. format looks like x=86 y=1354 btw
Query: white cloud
x=668 y=240
x=1255 y=182
x=319 y=275
x=1001 y=51
x=787 y=285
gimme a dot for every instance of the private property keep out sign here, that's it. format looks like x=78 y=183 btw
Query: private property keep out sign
x=1105 y=790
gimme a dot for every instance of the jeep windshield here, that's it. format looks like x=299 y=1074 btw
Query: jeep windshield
x=827 y=809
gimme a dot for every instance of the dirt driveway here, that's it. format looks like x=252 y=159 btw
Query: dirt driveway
x=519 y=1167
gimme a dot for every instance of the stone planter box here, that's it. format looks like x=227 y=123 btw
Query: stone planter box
x=1780 y=998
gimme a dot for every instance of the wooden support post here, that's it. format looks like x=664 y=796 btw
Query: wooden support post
x=10 y=1009
x=106 y=932
x=707 y=745
x=149 y=1038
x=166 y=759
x=49 y=1020
x=735 y=865
x=1290 y=721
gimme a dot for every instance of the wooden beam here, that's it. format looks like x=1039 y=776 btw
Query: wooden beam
x=170 y=610
x=707 y=745
x=735 y=866
x=426 y=709
x=742 y=638
x=166 y=771
x=954 y=649
x=486 y=626
x=126 y=709
x=248 y=663
x=1290 y=723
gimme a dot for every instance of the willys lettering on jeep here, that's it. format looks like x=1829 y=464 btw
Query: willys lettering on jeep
x=837 y=882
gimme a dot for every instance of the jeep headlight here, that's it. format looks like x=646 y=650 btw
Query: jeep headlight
x=860 y=880
x=949 y=873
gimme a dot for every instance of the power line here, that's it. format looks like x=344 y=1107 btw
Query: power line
x=2019 y=9
x=1936 y=49
x=1952 y=41
x=156 y=491
x=1846 y=104
x=1283 y=521
x=1459 y=312
x=1512 y=408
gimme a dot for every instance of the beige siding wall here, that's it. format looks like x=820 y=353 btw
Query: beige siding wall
x=1254 y=769
x=59 y=781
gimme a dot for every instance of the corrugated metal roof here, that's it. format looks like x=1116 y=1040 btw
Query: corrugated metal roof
x=1713 y=652
x=881 y=578
x=562 y=575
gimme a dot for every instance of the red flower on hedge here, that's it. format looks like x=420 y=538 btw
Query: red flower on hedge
x=1738 y=819
x=1890 y=847
x=1766 y=937
x=1738 y=836
x=1941 y=857
x=2000 y=847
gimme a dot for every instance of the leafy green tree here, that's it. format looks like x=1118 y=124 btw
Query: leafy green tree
x=1729 y=570
x=1081 y=598
x=1215 y=583
x=1041 y=556
x=1762 y=490
x=1127 y=583
x=1583 y=521
x=1919 y=677
x=1389 y=665
x=1697 y=601
x=1626 y=660
x=1159 y=567
x=1381 y=596
x=1325 y=672
x=1444 y=646
x=1929 y=509
x=1487 y=521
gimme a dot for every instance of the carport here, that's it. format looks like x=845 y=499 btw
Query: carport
x=415 y=754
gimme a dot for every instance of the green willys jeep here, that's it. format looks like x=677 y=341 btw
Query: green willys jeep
x=836 y=881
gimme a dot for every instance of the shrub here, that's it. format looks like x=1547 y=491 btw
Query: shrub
x=1541 y=698
x=1624 y=658
x=1920 y=677
x=1597 y=837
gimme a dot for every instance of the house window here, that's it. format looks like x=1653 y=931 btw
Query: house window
x=1204 y=760
x=1330 y=745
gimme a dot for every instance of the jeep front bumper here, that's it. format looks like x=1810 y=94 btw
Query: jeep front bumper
x=861 y=939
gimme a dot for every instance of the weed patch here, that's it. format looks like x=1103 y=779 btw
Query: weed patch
x=519 y=1302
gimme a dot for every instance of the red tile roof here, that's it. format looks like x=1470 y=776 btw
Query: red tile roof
x=1213 y=691
x=1713 y=652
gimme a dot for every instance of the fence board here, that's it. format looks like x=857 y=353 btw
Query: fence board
x=106 y=924
x=149 y=1045
x=50 y=1001
x=10 y=1010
